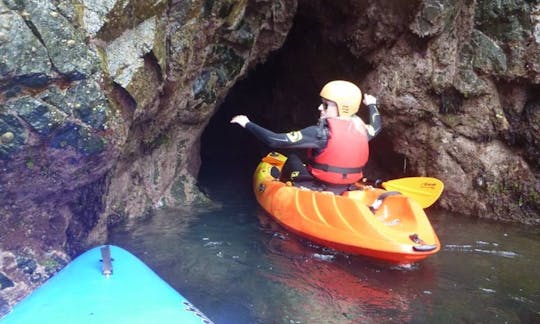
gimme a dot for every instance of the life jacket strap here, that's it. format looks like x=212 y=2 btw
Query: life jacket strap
x=336 y=169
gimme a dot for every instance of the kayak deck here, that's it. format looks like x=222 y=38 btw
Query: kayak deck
x=90 y=290
x=368 y=221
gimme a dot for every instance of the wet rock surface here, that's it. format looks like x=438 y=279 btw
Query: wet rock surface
x=101 y=107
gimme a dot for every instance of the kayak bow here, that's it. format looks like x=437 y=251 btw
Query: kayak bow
x=105 y=285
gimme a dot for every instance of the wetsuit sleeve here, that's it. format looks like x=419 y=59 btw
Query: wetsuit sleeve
x=374 y=126
x=308 y=137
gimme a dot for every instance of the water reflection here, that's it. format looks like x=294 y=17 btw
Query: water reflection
x=239 y=266
x=327 y=293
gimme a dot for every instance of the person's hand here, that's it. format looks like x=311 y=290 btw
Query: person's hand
x=241 y=120
x=369 y=100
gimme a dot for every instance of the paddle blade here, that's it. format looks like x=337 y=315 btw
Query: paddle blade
x=424 y=190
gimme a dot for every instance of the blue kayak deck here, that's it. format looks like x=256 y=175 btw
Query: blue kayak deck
x=81 y=293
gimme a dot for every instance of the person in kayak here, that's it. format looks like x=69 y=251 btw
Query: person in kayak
x=337 y=146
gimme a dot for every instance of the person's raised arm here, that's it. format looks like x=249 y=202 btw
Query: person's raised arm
x=374 y=126
x=274 y=140
x=305 y=138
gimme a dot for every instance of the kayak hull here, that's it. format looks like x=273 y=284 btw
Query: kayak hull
x=81 y=293
x=397 y=231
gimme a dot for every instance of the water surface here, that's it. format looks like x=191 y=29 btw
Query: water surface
x=238 y=266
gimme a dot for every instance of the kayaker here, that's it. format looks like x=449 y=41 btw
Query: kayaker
x=337 y=146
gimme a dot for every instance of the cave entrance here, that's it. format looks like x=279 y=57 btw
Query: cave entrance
x=281 y=94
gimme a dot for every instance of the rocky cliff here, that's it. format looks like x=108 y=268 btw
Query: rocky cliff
x=103 y=103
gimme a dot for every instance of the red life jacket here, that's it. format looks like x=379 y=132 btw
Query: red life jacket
x=345 y=155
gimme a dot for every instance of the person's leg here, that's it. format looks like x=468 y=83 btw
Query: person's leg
x=295 y=170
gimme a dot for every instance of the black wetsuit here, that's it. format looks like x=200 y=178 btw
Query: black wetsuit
x=314 y=137
x=310 y=137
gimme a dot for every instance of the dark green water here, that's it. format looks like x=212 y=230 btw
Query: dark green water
x=238 y=266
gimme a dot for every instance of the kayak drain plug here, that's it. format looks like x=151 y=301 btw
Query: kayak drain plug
x=414 y=237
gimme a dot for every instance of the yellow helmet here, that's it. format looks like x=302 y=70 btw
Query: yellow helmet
x=345 y=94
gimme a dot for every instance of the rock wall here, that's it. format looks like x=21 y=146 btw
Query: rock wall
x=102 y=104
x=461 y=86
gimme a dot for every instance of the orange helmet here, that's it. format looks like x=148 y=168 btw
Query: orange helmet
x=345 y=94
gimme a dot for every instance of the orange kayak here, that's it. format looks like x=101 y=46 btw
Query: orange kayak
x=366 y=221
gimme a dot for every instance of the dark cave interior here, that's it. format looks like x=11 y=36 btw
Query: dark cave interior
x=282 y=94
